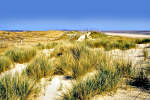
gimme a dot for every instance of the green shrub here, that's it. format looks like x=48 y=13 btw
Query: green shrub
x=39 y=68
x=5 y=63
x=16 y=87
x=21 y=55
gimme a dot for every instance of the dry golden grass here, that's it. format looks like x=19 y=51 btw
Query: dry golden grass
x=30 y=36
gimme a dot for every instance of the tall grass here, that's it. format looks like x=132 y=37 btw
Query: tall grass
x=39 y=68
x=97 y=34
x=76 y=60
x=3 y=45
x=140 y=79
x=111 y=44
x=105 y=80
x=49 y=45
x=145 y=53
x=142 y=41
x=16 y=87
x=21 y=55
x=80 y=59
x=5 y=63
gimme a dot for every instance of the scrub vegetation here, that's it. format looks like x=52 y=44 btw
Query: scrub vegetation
x=59 y=53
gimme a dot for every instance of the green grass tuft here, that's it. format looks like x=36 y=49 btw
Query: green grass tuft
x=21 y=55
x=5 y=63
x=16 y=87
x=145 y=52
x=39 y=68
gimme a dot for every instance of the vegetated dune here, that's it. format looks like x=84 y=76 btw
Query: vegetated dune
x=72 y=65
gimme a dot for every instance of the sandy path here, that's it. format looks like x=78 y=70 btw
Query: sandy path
x=123 y=94
x=128 y=35
x=47 y=52
x=55 y=88
x=18 y=68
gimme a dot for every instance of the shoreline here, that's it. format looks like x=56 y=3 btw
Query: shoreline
x=128 y=35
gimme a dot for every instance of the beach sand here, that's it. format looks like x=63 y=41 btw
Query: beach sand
x=128 y=35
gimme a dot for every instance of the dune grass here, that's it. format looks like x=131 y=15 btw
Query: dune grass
x=105 y=80
x=16 y=87
x=5 y=63
x=75 y=60
x=39 y=68
x=3 y=45
x=145 y=53
x=21 y=55
x=142 y=41
x=114 y=42
x=109 y=44
x=140 y=80
x=49 y=45
x=97 y=35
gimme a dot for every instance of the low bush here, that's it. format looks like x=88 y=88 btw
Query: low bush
x=21 y=55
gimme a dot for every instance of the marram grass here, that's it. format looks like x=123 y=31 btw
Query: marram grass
x=21 y=55
x=16 y=87
x=75 y=60
x=105 y=80
x=39 y=68
x=5 y=63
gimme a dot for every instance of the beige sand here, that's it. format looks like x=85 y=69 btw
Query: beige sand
x=129 y=35
x=18 y=68
x=55 y=88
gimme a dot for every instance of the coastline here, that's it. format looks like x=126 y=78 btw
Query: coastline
x=128 y=35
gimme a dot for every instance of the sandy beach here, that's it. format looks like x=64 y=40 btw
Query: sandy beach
x=128 y=35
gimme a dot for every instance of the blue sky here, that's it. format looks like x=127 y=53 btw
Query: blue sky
x=75 y=14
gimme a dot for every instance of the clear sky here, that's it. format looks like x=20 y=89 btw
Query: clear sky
x=75 y=14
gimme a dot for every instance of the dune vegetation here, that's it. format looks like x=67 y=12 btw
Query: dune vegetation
x=5 y=63
x=39 y=68
x=21 y=55
x=60 y=53
x=16 y=87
